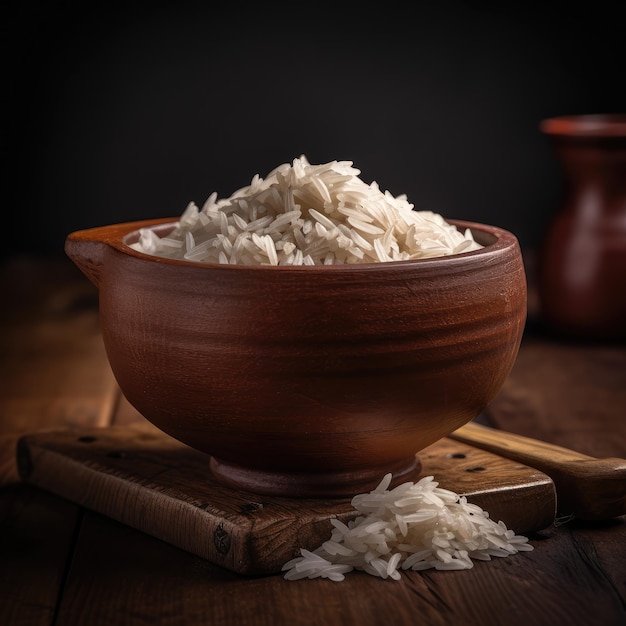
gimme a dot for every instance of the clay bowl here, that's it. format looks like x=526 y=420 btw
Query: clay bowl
x=307 y=381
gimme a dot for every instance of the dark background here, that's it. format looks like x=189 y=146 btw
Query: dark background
x=121 y=112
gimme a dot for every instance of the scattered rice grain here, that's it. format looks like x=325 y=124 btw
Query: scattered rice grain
x=415 y=526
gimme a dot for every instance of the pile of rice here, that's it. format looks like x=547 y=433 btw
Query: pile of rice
x=414 y=526
x=303 y=214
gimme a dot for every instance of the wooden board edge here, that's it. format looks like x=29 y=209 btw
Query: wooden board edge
x=240 y=545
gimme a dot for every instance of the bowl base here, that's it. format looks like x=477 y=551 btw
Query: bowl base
x=313 y=484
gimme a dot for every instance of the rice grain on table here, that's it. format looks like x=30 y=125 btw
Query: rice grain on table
x=415 y=526
x=304 y=214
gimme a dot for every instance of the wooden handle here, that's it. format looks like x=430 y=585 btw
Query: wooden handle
x=588 y=488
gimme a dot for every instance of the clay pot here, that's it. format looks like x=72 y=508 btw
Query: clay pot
x=307 y=381
x=582 y=263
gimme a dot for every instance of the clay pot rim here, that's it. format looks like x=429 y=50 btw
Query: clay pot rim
x=592 y=125
x=495 y=240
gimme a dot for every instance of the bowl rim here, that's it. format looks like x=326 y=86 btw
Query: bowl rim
x=117 y=236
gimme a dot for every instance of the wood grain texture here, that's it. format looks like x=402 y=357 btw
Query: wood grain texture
x=53 y=368
x=122 y=576
x=144 y=478
x=587 y=488
x=568 y=394
x=36 y=538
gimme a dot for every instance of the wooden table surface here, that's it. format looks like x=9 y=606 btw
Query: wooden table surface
x=61 y=564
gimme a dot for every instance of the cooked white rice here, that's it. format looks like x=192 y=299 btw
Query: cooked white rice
x=303 y=214
x=414 y=526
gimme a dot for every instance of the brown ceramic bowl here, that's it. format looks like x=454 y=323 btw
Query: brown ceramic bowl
x=307 y=381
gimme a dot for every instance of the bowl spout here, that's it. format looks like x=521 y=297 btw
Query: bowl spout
x=87 y=254
x=88 y=248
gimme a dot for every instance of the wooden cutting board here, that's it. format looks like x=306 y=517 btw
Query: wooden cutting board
x=141 y=477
